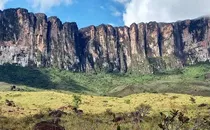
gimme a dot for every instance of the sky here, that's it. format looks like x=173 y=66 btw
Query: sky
x=114 y=12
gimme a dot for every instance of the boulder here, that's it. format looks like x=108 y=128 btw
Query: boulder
x=44 y=125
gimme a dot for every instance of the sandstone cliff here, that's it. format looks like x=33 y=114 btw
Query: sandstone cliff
x=34 y=40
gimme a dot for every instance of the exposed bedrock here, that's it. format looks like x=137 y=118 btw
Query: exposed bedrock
x=31 y=39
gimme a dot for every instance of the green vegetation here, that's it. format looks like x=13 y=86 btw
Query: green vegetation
x=106 y=101
x=101 y=115
x=77 y=100
x=189 y=80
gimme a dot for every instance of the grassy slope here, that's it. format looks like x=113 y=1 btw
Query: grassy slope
x=190 y=80
x=37 y=101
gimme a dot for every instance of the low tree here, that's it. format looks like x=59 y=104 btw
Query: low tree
x=139 y=114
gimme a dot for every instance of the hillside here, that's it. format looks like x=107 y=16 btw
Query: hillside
x=46 y=90
x=189 y=80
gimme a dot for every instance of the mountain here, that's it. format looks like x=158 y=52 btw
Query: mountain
x=35 y=40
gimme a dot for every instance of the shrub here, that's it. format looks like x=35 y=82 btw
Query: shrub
x=174 y=97
x=175 y=120
x=127 y=101
x=192 y=100
x=77 y=100
x=143 y=110
x=108 y=112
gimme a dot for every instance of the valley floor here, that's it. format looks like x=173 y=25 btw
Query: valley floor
x=29 y=104
x=170 y=100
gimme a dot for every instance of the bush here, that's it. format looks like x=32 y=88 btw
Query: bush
x=108 y=112
x=127 y=101
x=77 y=100
x=175 y=120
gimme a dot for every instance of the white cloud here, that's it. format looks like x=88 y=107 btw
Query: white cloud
x=163 y=10
x=45 y=5
x=2 y=3
x=122 y=1
x=115 y=12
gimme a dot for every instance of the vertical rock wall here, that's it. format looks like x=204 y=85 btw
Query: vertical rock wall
x=31 y=39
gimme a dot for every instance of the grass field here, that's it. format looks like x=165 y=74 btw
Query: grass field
x=50 y=89
x=37 y=102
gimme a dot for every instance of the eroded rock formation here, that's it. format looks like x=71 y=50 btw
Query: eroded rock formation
x=34 y=40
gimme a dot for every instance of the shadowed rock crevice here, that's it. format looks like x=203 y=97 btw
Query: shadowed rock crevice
x=160 y=38
x=178 y=42
x=145 y=41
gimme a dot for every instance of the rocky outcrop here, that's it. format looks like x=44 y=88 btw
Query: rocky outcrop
x=31 y=39
x=34 y=40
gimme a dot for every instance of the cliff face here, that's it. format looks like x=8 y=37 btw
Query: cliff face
x=34 y=40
